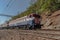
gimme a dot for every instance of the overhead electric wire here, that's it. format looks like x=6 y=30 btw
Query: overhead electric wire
x=6 y=15
x=9 y=3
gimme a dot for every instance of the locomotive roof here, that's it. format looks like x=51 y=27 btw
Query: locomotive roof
x=35 y=15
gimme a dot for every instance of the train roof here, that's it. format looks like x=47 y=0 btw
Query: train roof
x=35 y=15
x=19 y=19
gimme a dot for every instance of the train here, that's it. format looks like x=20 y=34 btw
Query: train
x=25 y=22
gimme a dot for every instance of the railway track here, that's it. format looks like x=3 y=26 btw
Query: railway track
x=49 y=34
x=42 y=34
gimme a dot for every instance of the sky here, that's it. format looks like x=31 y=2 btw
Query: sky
x=12 y=7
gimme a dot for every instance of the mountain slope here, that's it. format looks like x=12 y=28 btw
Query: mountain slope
x=52 y=21
x=41 y=6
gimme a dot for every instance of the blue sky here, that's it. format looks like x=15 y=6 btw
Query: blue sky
x=12 y=7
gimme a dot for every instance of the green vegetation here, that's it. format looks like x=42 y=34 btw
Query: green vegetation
x=41 y=6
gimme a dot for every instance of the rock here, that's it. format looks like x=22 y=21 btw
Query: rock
x=52 y=21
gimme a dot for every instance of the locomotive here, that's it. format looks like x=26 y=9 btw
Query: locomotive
x=26 y=22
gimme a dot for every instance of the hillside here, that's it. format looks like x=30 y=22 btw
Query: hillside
x=40 y=7
x=52 y=21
